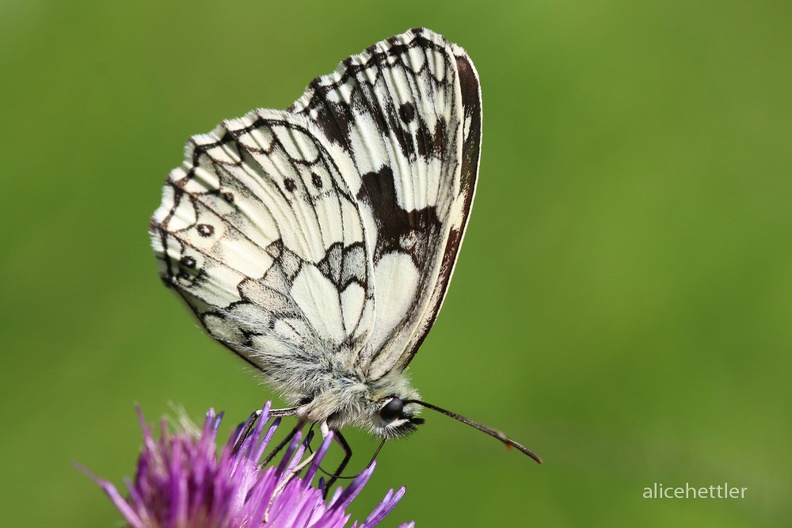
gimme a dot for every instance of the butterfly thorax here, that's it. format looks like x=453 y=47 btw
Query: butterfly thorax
x=343 y=396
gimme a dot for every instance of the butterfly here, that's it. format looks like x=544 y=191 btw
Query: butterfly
x=318 y=243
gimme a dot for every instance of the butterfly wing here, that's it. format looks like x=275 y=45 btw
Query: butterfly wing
x=333 y=226
x=407 y=111
x=260 y=236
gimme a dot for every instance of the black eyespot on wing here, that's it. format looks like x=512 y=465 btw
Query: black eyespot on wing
x=407 y=112
x=205 y=230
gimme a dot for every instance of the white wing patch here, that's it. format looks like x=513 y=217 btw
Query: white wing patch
x=328 y=232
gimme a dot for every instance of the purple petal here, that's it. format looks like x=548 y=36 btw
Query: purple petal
x=180 y=481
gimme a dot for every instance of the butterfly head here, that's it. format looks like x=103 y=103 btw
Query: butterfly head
x=385 y=406
x=396 y=418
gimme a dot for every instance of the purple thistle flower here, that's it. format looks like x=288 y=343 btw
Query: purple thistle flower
x=180 y=483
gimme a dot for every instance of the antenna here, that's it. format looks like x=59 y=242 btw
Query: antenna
x=483 y=428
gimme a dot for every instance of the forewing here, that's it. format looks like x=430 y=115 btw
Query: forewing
x=407 y=112
x=262 y=238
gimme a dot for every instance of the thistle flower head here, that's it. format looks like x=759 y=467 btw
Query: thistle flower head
x=181 y=483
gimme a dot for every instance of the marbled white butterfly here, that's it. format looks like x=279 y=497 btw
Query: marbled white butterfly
x=317 y=243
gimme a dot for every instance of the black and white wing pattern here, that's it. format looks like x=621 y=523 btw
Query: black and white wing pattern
x=323 y=237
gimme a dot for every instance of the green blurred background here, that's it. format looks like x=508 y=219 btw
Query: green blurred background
x=622 y=304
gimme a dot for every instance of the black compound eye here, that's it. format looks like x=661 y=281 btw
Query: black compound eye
x=392 y=410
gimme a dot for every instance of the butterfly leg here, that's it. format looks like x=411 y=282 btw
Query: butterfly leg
x=339 y=438
x=245 y=429
x=307 y=460
x=283 y=443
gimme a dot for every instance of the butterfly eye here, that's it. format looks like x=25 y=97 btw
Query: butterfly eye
x=392 y=410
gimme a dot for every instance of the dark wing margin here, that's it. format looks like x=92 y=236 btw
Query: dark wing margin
x=470 y=91
x=407 y=113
